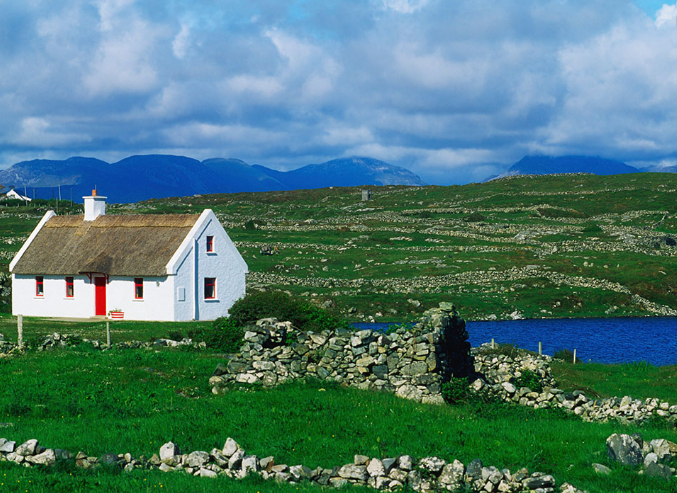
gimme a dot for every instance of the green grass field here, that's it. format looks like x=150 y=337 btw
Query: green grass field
x=135 y=400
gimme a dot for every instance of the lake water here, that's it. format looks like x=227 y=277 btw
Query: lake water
x=604 y=340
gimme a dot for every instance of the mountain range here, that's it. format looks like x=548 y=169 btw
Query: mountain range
x=157 y=176
x=546 y=165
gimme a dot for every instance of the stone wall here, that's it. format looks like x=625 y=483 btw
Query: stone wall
x=429 y=474
x=411 y=363
x=500 y=372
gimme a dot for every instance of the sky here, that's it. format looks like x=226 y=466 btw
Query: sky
x=455 y=91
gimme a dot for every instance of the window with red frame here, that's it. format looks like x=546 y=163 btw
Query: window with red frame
x=70 y=291
x=210 y=288
x=39 y=286
x=210 y=243
x=138 y=288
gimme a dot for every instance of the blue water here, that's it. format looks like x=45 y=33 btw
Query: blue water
x=604 y=340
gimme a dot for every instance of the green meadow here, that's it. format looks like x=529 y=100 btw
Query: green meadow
x=136 y=400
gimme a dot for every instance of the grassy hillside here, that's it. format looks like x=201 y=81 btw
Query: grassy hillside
x=532 y=246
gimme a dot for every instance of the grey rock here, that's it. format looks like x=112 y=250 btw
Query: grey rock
x=656 y=470
x=474 y=469
x=230 y=447
x=235 y=460
x=27 y=448
x=206 y=473
x=405 y=462
x=649 y=458
x=388 y=464
x=46 y=458
x=360 y=460
x=197 y=459
x=250 y=463
x=545 y=481
x=352 y=471
x=601 y=469
x=109 y=459
x=623 y=449
x=168 y=451
x=376 y=468
x=6 y=446
x=432 y=464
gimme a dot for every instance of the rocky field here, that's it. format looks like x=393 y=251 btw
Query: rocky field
x=521 y=247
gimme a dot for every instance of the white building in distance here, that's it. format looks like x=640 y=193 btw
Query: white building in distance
x=173 y=267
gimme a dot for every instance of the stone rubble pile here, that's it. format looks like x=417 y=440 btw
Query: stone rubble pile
x=500 y=372
x=410 y=363
x=654 y=457
x=57 y=340
x=429 y=474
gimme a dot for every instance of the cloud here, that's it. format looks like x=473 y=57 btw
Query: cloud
x=450 y=90
x=666 y=17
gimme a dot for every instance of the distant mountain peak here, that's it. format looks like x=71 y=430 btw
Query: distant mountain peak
x=546 y=165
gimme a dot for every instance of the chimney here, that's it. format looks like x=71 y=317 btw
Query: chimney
x=95 y=206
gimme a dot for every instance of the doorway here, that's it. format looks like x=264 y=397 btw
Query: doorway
x=99 y=295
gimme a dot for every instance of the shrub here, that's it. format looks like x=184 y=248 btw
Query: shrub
x=565 y=355
x=224 y=335
x=475 y=217
x=592 y=228
x=531 y=380
x=263 y=304
x=456 y=390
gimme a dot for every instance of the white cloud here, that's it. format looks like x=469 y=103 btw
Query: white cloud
x=404 y=6
x=124 y=62
x=181 y=42
x=666 y=17
x=39 y=132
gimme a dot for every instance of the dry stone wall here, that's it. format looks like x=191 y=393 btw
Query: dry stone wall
x=500 y=372
x=429 y=474
x=411 y=363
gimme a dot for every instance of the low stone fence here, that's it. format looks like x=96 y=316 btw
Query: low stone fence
x=429 y=474
x=411 y=363
x=56 y=340
x=501 y=371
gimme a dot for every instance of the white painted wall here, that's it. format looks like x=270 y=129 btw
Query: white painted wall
x=54 y=302
x=156 y=302
x=225 y=264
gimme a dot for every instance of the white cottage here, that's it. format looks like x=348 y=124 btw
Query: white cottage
x=172 y=267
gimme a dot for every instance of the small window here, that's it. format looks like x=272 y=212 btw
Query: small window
x=138 y=288
x=39 y=286
x=70 y=291
x=210 y=288
x=210 y=243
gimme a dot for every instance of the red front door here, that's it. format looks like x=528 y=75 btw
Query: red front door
x=99 y=296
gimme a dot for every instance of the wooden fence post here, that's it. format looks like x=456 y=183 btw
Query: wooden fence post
x=20 y=330
x=493 y=346
x=540 y=348
x=108 y=332
x=574 y=356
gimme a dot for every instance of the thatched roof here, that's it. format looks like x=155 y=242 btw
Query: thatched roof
x=127 y=245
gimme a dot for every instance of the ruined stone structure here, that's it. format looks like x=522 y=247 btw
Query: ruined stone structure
x=412 y=363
